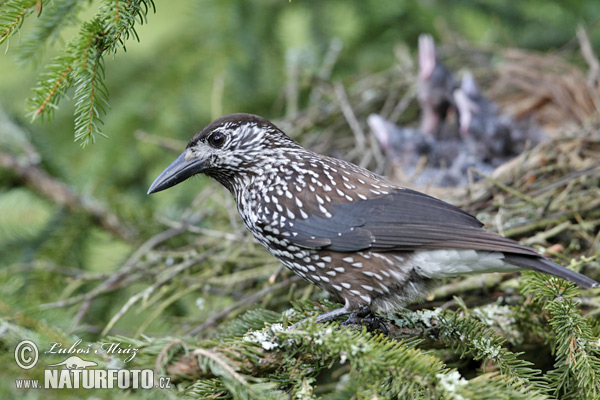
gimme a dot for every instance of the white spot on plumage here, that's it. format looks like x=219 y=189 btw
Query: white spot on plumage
x=346 y=285
x=357 y=265
x=384 y=258
x=341 y=270
x=382 y=286
x=367 y=287
x=337 y=287
x=397 y=275
x=348 y=259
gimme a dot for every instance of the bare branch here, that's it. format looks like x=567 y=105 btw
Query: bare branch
x=50 y=187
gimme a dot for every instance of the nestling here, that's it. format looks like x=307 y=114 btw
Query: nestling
x=369 y=243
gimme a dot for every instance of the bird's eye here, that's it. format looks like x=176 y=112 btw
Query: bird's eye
x=216 y=140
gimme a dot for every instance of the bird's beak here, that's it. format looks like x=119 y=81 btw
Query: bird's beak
x=177 y=172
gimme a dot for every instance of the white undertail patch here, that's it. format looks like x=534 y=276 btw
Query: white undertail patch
x=451 y=262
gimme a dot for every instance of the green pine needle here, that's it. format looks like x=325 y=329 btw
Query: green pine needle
x=82 y=62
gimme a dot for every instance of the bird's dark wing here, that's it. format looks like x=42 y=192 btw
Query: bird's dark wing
x=401 y=220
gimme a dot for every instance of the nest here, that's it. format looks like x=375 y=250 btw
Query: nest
x=550 y=191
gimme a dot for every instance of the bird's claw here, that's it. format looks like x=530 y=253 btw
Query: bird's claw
x=365 y=316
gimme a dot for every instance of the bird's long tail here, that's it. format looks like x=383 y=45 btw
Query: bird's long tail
x=546 y=266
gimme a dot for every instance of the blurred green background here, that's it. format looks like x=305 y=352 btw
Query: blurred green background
x=198 y=60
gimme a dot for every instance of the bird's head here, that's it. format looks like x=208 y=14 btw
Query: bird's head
x=227 y=148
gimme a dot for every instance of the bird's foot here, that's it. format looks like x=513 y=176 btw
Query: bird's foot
x=363 y=316
x=366 y=316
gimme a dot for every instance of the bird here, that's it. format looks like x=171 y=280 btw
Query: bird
x=373 y=245
x=494 y=137
x=436 y=86
x=423 y=158
x=403 y=146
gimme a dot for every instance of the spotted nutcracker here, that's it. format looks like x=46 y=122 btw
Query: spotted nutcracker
x=369 y=243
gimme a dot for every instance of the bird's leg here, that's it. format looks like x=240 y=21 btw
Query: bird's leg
x=328 y=316
x=366 y=315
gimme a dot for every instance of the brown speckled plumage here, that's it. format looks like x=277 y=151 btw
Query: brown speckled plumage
x=364 y=240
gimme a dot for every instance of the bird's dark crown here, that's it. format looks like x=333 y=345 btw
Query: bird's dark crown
x=240 y=130
x=238 y=144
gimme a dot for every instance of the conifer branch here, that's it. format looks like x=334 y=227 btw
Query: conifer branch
x=91 y=93
x=82 y=62
x=377 y=365
x=472 y=338
x=47 y=28
x=52 y=85
x=12 y=15
x=577 y=366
